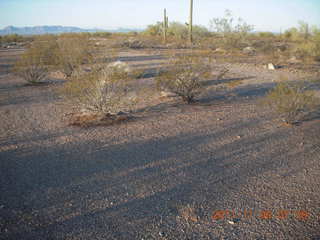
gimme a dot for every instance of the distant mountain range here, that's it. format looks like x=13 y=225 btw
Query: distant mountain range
x=38 y=30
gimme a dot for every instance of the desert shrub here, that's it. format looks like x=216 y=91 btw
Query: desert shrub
x=292 y=34
x=304 y=30
x=178 y=31
x=316 y=46
x=101 y=34
x=36 y=61
x=46 y=46
x=30 y=68
x=290 y=100
x=184 y=76
x=266 y=35
x=309 y=48
x=200 y=32
x=132 y=43
x=12 y=38
x=103 y=89
x=154 y=29
x=72 y=51
x=234 y=32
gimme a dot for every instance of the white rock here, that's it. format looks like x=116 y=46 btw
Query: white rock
x=271 y=66
x=120 y=66
x=249 y=50
x=167 y=94
x=220 y=50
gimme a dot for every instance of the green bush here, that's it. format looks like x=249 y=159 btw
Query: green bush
x=34 y=64
x=30 y=68
x=234 y=32
x=101 y=34
x=73 y=50
x=154 y=29
x=291 y=101
x=309 y=48
x=11 y=38
x=266 y=35
x=177 y=30
x=103 y=89
x=185 y=77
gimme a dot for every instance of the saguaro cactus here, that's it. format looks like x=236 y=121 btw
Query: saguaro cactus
x=190 y=22
x=165 y=26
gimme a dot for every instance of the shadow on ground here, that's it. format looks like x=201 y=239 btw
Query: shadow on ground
x=115 y=189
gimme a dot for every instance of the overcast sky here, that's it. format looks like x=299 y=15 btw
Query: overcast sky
x=268 y=15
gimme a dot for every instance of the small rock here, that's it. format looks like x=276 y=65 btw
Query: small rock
x=167 y=94
x=239 y=137
x=231 y=222
x=119 y=65
x=220 y=50
x=271 y=66
x=249 y=50
x=219 y=119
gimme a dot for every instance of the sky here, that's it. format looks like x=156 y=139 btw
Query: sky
x=269 y=15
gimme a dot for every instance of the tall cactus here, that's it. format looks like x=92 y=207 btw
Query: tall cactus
x=190 y=22
x=165 y=26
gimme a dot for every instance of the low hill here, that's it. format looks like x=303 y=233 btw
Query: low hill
x=55 y=30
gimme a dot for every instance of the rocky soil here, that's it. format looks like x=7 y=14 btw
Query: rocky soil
x=222 y=168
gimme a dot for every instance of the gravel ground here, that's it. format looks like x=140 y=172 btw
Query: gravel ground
x=223 y=168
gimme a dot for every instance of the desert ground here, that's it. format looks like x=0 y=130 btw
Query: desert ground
x=169 y=172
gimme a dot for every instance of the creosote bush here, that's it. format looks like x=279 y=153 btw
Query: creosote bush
x=291 y=101
x=30 y=69
x=36 y=61
x=234 y=32
x=72 y=51
x=184 y=78
x=103 y=89
x=177 y=31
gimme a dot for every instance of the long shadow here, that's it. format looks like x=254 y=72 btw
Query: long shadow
x=5 y=68
x=221 y=169
x=39 y=94
x=40 y=97
x=242 y=93
x=214 y=82
x=141 y=58
x=236 y=95
x=31 y=169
